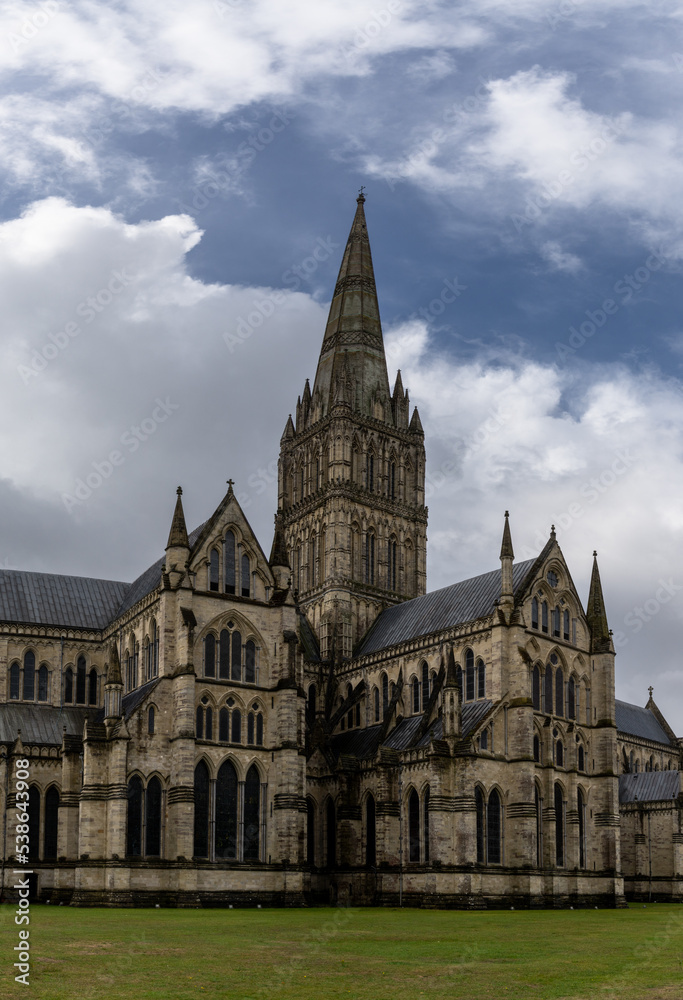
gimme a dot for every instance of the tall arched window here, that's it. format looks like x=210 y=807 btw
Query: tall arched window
x=537 y=749
x=246 y=576
x=214 y=573
x=200 y=722
x=33 y=822
x=237 y=726
x=581 y=806
x=481 y=825
x=559 y=753
x=250 y=662
x=413 y=826
x=236 y=655
x=331 y=834
x=559 y=827
x=252 y=812
x=559 y=692
x=538 y=802
x=582 y=764
x=571 y=698
x=250 y=729
x=14 y=681
x=92 y=687
x=544 y=616
x=51 y=822
x=494 y=815
x=392 y=549
x=548 y=692
x=42 y=683
x=370 y=832
x=370 y=477
x=134 y=829
x=224 y=655
x=416 y=694
x=481 y=679
x=224 y=726
x=392 y=481
x=556 y=622
x=226 y=811
x=153 y=818
x=425 y=686
x=69 y=686
x=208 y=723
x=201 y=810
x=385 y=694
x=469 y=675
x=210 y=655
x=377 y=712
x=312 y=575
x=80 y=681
x=310 y=832
x=229 y=562
x=534 y=612
x=154 y=649
x=259 y=730
x=370 y=558
x=566 y=625
x=150 y=720
x=30 y=675
x=536 y=687
x=425 y=827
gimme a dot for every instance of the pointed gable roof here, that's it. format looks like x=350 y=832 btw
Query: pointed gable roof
x=506 y=550
x=178 y=534
x=353 y=335
x=596 y=614
x=229 y=510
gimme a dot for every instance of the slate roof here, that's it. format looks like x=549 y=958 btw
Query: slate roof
x=149 y=580
x=42 y=723
x=130 y=701
x=637 y=721
x=461 y=602
x=648 y=786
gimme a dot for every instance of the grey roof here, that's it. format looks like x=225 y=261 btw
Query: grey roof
x=461 y=602
x=49 y=599
x=649 y=786
x=130 y=701
x=149 y=580
x=42 y=723
x=637 y=721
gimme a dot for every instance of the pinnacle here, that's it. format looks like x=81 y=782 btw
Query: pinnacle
x=506 y=550
x=177 y=537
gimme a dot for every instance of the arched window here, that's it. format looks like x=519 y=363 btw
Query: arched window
x=229 y=562
x=556 y=622
x=259 y=730
x=42 y=683
x=559 y=827
x=310 y=832
x=481 y=825
x=571 y=698
x=414 y=826
x=134 y=830
x=370 y=558
x=208 y=723
x=385 y=694
x=494 y=852
x=224 y=726
x=210 y=655
x=200 y=722
x=370 y=478
x=226 y=811
x=548 y=690
x=33 y=822
x=538 y=801
x=312 y=575
x=581 y=806
x=92 y=687
x=237 y=726
x=536 y=687
x=331 y=834
x=537 y=749
x=415 y=684
x=30 y=675
x=252 y=811
x=150 y=720
x=250 y=662
x=224 y=655
x=370 y=832
x=51 y=822
x=559 y=692
x=214 y=573
x=14 y=679
x=469 y=675
x=425 y=686
x=392 y=481
x=566 y=625
x=250 y=729
x=246 y=576
x=237 y=656
x=544 y=616
x=481 y=679
x=559 y=754
x=153 y=818
x=201 y=810
x=392 y=549
x=377 y=712
x=80 y=681
x=534 y=612
x=425 y=827
x=155 y=649
x=69 y=686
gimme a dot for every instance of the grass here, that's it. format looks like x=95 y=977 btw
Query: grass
x=362 y=954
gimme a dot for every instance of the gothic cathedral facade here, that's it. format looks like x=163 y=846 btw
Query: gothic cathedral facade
x=313 y=726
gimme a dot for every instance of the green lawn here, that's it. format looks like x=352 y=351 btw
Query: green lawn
x=363 y=953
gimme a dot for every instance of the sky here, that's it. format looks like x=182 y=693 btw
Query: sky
x=178 y=182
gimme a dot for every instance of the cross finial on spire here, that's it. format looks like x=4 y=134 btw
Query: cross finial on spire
x=230 y=482
x=552 y=532
x=179 y=491
x=361 y=196
x=650 y=689
x=595 y=554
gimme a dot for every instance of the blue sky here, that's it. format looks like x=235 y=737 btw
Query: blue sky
x=169 y=171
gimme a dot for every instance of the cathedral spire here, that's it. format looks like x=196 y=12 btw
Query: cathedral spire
x=177 y=537
x=354 y=329
x=596 y=615
x=507 y=556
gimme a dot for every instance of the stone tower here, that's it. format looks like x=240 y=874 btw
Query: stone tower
x=352 y=471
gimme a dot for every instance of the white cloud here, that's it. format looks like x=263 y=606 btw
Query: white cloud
x=559 y=259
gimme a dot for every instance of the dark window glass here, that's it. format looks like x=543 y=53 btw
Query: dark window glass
x=559 y=754
x=250 y=662
x=229 y=562
x=370 y=558
x=310 y=832
x=377 y=713
x=582 y=762
x=484 y=740
x=214 y=577
x=534 y=612
x=210 y=655
x=237 y=656
x=226 y=811
x=134 y=831
x=481 y=679
x=566 y=626
x=556 y=622
x=259 y=730
x=223 y=725
x=469 y=675
x=548 y=692
x=80 y=681
x=544 y=616
x=252 y=812
x=559 y=827
x=559 y=692
x=150 y=720
x=425 y=686
x=14 y=678
x=246 y=576
x=537 y=749
x=30 y=676
x=392 y=480
x=33 y=822
x=201 y=810
x=331 y=832
x=370 y=832
x=571 y=699
x=481 y=826
x=69 y=686
x=426 y=824
x=371 y=472
x=250 y=729
x=42 y=683
x=493 y=839
x=224 y=655
x=236 y=726
x=416 y=695
x=385 y=695
x=358 y=714
x=153 y=818
x=208 y=725
x=51 y=822
x=200 y=722
x=582 y=829
x=92 y=687
x=536 y=687
x=414 y=826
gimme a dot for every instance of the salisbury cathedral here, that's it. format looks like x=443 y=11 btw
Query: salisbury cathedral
x=313 y=726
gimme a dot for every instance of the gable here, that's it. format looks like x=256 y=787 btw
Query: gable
x=228 y=516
